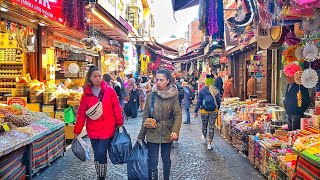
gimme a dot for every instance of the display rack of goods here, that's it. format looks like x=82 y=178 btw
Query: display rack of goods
x=11 y=55
x=22 y=87
x=306 y=142
x=251 y=146
x=36 y=91
x=49 y=96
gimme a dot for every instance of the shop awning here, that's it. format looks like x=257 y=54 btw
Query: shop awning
x=183 y=4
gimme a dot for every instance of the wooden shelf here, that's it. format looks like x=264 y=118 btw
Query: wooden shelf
x=11 y=62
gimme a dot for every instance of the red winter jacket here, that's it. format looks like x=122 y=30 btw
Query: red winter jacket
x=104 y=127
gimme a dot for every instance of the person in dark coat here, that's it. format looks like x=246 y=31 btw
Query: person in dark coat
x=294 y=109
x=186 y=101
x=218 y=83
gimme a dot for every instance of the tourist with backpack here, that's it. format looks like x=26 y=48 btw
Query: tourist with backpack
x=209 y=103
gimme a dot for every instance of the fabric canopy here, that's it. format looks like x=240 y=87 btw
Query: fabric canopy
x=183 y=4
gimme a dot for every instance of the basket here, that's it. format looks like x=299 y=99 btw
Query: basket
x=22 y=89
x=61 y=103
x=49 y=98
x=35 y=96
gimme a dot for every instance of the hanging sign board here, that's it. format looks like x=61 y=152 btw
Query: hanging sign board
x=47 y=8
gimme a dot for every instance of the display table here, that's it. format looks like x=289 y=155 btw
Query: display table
x=11 y=166
x=46 y=149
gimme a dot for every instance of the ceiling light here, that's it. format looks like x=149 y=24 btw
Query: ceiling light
x=4 y=9
x=42 y=24
x=33 y=20
x=215 y=42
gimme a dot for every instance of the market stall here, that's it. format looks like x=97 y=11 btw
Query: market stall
x=255 y=128
x=29 y=141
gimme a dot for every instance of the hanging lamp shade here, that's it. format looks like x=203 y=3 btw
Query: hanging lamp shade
x=183 y=4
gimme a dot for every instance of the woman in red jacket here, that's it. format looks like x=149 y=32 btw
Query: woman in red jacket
x=101 y=130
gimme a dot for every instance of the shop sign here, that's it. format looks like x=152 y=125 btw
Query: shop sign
x=48 y=8
x=17 y=100
x=115 y=7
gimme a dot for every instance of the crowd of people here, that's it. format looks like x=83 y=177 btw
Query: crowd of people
x=160 y=98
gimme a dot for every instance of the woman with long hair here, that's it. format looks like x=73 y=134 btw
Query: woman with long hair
x=100 y=129
x=144 y=87
x=162 y=106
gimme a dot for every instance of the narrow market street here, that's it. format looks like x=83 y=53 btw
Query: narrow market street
x=190 y=159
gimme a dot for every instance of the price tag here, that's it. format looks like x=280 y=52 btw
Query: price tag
x=6 y=127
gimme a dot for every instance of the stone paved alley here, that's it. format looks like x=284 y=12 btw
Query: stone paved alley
x=190 y=160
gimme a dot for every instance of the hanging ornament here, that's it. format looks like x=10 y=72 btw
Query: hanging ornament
x=299 y=97
x=248 y=18
x=310 y=52
x=309 y=78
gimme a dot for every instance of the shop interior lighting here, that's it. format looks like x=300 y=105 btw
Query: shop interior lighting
x=102 y=18
x=3 y=9
x=33 y=20
x=215 y=43
x=33 y=39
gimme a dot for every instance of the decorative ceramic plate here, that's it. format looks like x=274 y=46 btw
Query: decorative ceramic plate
x=310 y=52
x=309 y=78
x=73 y=68
x=297 y=77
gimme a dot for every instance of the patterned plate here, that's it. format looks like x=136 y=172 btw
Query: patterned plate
x=309 y=78
x=73 y=68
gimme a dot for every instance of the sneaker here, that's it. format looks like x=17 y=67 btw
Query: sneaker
x=209 y=146
x=204 y=139
x=186 y=122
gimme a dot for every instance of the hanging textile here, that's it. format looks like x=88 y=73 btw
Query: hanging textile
x=202 y=15
x=212 y=17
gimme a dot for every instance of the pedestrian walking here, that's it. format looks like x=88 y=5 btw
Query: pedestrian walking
x=132 y=101
x=229 y=91
x=122 y=91
x=101 y=130
x=186 y=102
x=144 y=88
x=162 y=106
x=209 y=103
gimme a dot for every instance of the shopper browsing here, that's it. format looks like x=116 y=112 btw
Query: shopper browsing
x=186 y=101
x=101 y=128
x=161 y=122
x=209 y=103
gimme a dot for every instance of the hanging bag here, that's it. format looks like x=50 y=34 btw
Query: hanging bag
x=68 y=115
x=137 y=166
x=120 y=146
x=81 y=149
x=96 y=111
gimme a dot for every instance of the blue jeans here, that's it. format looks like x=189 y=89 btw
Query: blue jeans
x=187 y=114
x=153 y=155
x=100 y=149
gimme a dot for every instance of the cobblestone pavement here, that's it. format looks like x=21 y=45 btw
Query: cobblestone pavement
x=190 y=160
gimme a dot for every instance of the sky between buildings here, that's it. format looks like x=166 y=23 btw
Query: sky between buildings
x=166 y=25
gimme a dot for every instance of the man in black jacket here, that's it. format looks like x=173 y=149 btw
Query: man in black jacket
x=218 y=83
x=294 y=111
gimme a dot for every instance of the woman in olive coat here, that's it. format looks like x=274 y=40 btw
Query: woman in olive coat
x=167 y=113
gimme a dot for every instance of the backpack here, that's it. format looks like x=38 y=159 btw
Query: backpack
x=181 y=92
x=209 y=103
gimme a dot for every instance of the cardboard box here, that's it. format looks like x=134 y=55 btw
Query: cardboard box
x=48 y=108
x=59 y=115
x=33 y=107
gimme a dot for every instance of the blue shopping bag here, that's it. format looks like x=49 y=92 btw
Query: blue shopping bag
x=137 y=165
x=120 y=147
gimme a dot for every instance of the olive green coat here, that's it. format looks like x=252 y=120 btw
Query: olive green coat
x=167 y=112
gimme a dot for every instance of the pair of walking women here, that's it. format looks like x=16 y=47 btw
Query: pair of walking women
x=167 y=112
